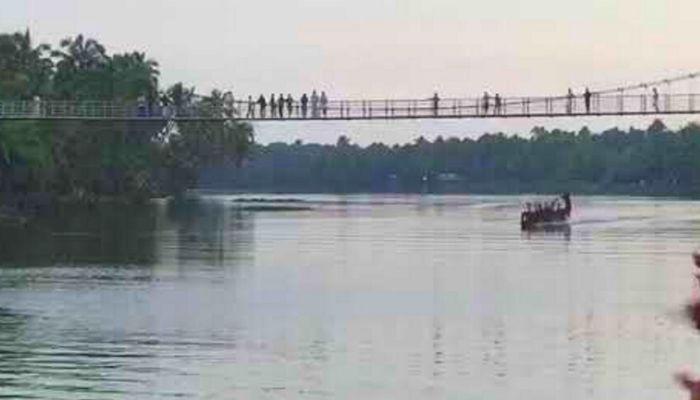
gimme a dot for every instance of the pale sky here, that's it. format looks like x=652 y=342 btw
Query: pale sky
x=388 y=49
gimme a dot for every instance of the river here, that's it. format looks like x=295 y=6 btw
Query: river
x=359 y=297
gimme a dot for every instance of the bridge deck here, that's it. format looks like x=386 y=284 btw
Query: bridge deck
x=350 y=110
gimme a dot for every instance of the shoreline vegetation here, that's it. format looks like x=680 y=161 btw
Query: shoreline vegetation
x=655 y=161
x=48 y=162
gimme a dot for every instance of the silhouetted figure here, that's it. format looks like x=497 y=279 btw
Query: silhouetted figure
x=587 y=100
x=569 y=101
x=546 y=213
x=436 y=104
x=304 y=104
x=324 y=104
x=262 y=104
x=485 y=103
x=655 y=99
x=497 y=104
x=290 y=104
x=314 y=104
x=280 y=105
x=251 y=108
x=273 y=106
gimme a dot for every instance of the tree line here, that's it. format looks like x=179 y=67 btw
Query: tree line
x=90 y=160
x=652 y=161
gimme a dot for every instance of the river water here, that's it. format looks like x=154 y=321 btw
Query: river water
x=360 y=297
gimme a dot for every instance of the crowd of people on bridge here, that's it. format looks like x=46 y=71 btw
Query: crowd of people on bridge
x=316 y=106
x=282 y=106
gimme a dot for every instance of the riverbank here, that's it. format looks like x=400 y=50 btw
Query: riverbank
x=482 y=189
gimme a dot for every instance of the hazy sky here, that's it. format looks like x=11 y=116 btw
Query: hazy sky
x=380 y=48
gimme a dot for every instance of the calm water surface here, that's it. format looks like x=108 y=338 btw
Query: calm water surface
x=362 y=297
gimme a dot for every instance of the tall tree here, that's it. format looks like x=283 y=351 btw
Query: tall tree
x=134 y=76
x=82 y=70
x=25 y=69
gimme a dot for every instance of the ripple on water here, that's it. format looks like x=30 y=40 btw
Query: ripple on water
x=361 y=297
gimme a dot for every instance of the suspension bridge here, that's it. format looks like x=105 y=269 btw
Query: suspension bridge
x=660 y=97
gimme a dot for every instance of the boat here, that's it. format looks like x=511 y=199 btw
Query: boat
x=545 y=215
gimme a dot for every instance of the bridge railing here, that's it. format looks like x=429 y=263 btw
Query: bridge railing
x=106 y=110
x=608 y=104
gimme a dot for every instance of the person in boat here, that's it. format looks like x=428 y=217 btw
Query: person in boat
x=546 y=213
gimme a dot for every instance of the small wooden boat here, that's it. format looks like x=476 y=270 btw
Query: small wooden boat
x=543 y=215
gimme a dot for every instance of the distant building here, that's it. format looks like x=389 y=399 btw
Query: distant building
x=449 y=177
x=448 y=182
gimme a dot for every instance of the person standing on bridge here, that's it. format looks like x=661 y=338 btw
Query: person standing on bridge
x=497 y=104
x=587 y=100
x=290 y=105
x=485 y=103
x=273 y=106
x=324 y=104
x=280 y=105
x=304 y=105
x=655 y=99
x=314 y=104
x=436 y=104
x=570 y=101
x=262 y=103
x=251 y=108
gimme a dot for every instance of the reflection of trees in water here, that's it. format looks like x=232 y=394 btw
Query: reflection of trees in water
x=114 y=234
x=77 y=355
x=122 y=234
x=210 y=232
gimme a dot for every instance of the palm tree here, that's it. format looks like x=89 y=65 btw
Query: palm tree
x=180 y=96
x=80 y=54
x=82 y=69
x=133 y=76
x=25 y=70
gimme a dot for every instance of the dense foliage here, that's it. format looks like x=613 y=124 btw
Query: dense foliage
x=652 y=161
x=88 y=160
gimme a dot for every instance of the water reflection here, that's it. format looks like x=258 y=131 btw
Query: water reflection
x=106 y=234
x=376 y=298
x=212 y=232
x=99 y=314
x=550 y=231
x=123 y=235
